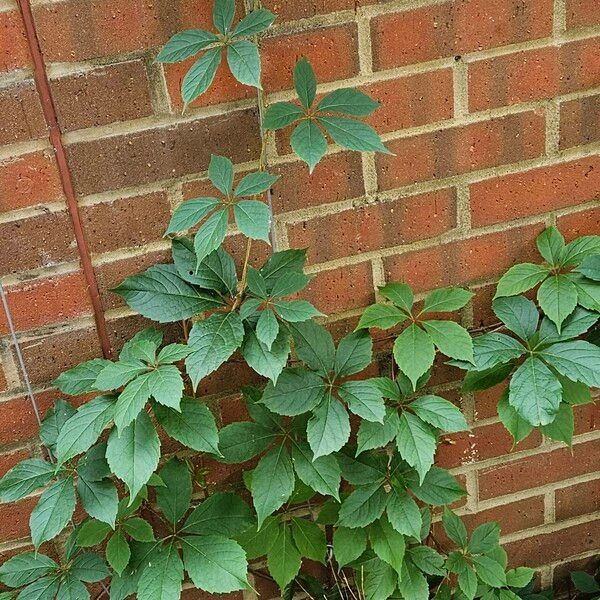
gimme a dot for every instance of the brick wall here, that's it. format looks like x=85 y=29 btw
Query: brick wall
x=492 y=108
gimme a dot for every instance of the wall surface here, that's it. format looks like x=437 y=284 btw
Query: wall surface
x=492 y=108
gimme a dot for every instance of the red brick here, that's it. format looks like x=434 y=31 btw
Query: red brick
x=304 y=9
x=582 y=13
x=578 y=499
x=117 y=92
x=196 y=594
x=375 y=226
x=77 y=30
x=22 y=117
x=555 y=545
x=584 y=222
x=561 y=577
x=47 y=301
x=14 y=51
x=486 y=402
x=162 y=153
x=587 y=418
x=412 y=101
x=580 y=122
x=483 y=315
x=534 y=74
x=50 y=241
x=10 y=459
x=457 y=150
x=538 y=470
x=28 y=180
x=123 y=329
x=3 y=382
x=126 y=222
x=15 y=518
x=455 y=28
x=535 y=192
x=456 y=263
x=342 y=289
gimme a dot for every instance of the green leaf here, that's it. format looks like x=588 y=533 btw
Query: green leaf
x=400 y=294
x=574 y=392
x=403 y=513
x=255 y=22
x=211 y=234
x=322 y=474
x=483 y=380
x=563 y=426
x=519 y=314
x=485 y=538
x=283 y=560
x=296 y=311
x=516 y=425
x=535 y=392
x=354 y=135
x=348 y=544
x=381 y=316
x=80 y=379
x=363 y=399
x=133 y=453
x=309 y=539
x=99 y=499
x=579 y=249
x=142 y=346
x=220 y=173
x=72 y=588
x=582 y=581
x=161 y=295
x=185 y=44
x=438 y=488
x=467 y=582
x=281 y=114
x=166 y=385
x=578 y=360
x=214 y=563
x=489 y=571
x=189 y=213
x=414 y=352
x=25 y=568
x=380 y=581
x=272 y=482
x=172 y=353
x=45 y=588
x=201 y=74
x=348 y=101
x=256 y=283
x=558 y=298
x=451 y=339
x=520 y=278
x=118 y=374
x=447 y=299
x=329 y=427
x=83 y=429
x=24 y=478
x=588 y=292
x=309 y=143
x=223 y=13
x=314 y=346
x=220 y=514
x=244 y=61
x=279 y=264
x=139 y=529
x=118 y=552
x=212 y=342
x=354 y=353
x=163 y=573
x=440 y=413
x=268 y=363
x=257 y=543
x=132 y=400
x=305 y=82
x=253 y=219
x=412 y=583
x=267 y=328
x=521 y=576
x=363 y=506
x=362 y=469
x=590 y=267
x=91 y=533
x=428 y=560
x=576 y=324
x=454 y=527
x=240 y=442
x=194 y=426
x=550 y=243
x=492 y=349
x=377 y=435
x=174 y=499
x=387 y=544
x=52 y=512
x=255 y=183
x=297 y=391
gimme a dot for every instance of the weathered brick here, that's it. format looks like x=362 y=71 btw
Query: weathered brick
x=535 y=192
x=375 y=226
x=538 y=470
x=582 y=13
x=578 y=499
x=14 y=51
x=304 y=9
x=3 y=382
x=555 y=545
x=29 y=179
x=50 y=241
x=587 y=418
x=10 y=459
x=458 y=150
x=126 y=222
x=15 y=518
x=584 y=222
x=534 y=74
x=486 y=402
x=42 y=302
x=118 y=92
x=22 y=117
x=162 y=153
x=124 y=328
x=454 y=28
x=580 y=122
x=456 y=263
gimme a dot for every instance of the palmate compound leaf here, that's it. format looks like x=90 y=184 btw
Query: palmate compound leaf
x=450 y=339
x=309 y=143
x=297 y=391
x=80 y=379
x=388 y=544
x=348 y=544
x=53 y=511
x=354 y=135
x=417 y=443
x=283 y=559
x=161 y=575
x=520 y=278
x=322 y=474
x=220 y=514
x=185 y=44
x=348 y=101
x=329 y=427
x=557 y=297
x=25 y=568
x=174 y=498
x=189 y=213
x=364 y=399
x=363 y=506
x=414 y=352
x=24 y=478
x=253 y=23
x=519 y=314
x=353 y=354
x=201 y=74
x=244 y=62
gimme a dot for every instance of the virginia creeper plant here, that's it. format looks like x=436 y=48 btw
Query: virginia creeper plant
x=362 y=505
